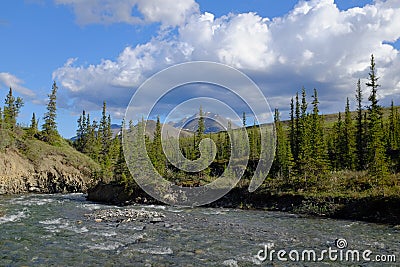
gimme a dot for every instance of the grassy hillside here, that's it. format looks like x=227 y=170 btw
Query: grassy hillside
x=330 y=119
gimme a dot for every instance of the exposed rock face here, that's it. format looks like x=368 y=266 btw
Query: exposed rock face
x=52 y=175
x=111 y=193
x=117 y=194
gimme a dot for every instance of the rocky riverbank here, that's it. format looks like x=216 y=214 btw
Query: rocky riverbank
x=370 y=209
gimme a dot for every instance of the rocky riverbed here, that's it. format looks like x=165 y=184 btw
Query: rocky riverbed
x=125 y=215
x=371 y=209
x=61 y=230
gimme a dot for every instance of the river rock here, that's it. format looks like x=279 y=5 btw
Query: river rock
x=34 y=189
x=230 y=263
x=156 y=220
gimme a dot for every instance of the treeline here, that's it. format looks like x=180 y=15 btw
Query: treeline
x=358 y=152
x=10 y=130
x=308 y=151
x=97 y=141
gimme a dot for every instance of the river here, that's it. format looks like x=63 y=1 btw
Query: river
x=59 y=230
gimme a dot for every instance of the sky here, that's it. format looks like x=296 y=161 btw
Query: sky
x=104 y=50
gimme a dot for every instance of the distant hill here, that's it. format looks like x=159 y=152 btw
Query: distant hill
x=213 y=123
x=167 y=130
x=115 y=129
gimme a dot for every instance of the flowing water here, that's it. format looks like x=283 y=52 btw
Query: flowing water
x=55 y=230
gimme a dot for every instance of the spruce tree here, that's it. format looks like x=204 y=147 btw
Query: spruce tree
x=94 y=145
x=377 y=163
x=304 y=148
x=227 y=147
x=105 y=133
x=317 y=145
x=157 y=155
x=296 y=154
x=282 y=163
x=80 y=132
x=292 y=131
x=12 y=109
x=86 y=146
x=337 y=147
x=34 y=123
x=33 y=128
x=392 y=138
x=201 y=126
x=199 y=132
x=360 y=133
x=397 y=128
x=121 y=170
x=49 y=128
x=348 y=139
x=105 y=139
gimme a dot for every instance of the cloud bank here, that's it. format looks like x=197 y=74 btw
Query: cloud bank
x=314 y=45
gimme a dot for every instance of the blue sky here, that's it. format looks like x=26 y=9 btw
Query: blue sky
x=103 y=50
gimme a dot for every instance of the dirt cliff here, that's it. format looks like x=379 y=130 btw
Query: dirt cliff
x=38 y=167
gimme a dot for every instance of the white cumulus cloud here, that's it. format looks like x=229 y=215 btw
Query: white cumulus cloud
x=315 y=45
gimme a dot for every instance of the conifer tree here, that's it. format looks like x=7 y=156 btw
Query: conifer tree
x=121 y=170
x=282 y=162
x=292 y=130
x=80 y=132
x=107 y=146
x=397 y=128
x=296 y=154
x=377 y=164
x=86 y=145
x=317 y=145
x=227 y=144
x=337 y=146
x=49 y=128
x=392 y=138
x=33 y=128
x=34 y=123
x=94 y=145
x=105 y=133
x=158 y=157
x=201 y=126
x=360 y=132
x=348 y=139
x=12 y=109
x=199 y=132
x=316 y=132
x=304 y=148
